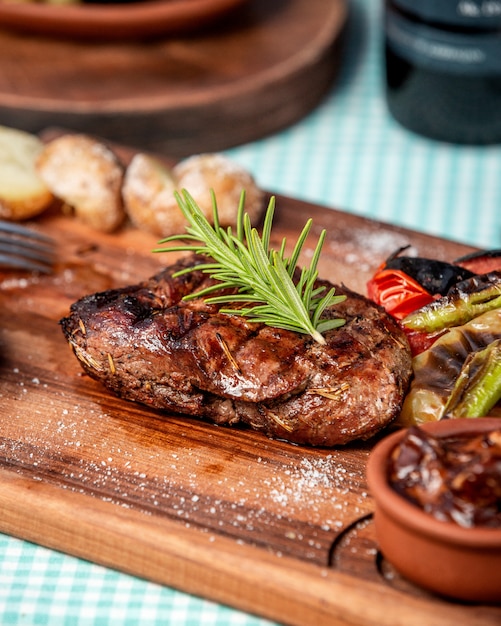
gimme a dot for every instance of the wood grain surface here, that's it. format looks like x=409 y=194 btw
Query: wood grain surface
x=270 y=528
x=261 y=69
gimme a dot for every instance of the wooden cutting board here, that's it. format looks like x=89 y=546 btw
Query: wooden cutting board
x=278 y=530
x=261 y=69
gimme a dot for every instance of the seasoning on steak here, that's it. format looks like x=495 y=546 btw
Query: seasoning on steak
x=146 y=344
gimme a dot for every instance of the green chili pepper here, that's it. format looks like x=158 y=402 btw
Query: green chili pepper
x=478 y=386
x=467 y=300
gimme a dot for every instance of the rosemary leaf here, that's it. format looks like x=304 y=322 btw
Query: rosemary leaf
x=267 y=224
x=259 y=276
x=293 y=260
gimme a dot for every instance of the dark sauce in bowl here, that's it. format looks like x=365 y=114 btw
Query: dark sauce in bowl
x=454 y=478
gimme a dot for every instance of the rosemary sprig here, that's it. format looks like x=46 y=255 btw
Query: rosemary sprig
x=262 y=277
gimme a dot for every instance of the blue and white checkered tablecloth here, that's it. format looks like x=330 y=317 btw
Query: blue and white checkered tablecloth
x=348 y=154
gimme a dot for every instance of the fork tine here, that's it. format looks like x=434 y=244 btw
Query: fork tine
x=24 y=264
x=23 y=231
x=25 y=249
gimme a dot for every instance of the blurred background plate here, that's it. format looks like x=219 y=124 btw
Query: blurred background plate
x=252 y=73
x=114 y=21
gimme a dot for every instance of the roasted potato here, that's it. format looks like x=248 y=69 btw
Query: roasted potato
x=148 y=195
x=199 y=174
x=87 y=176
x=23 y=193
x=149 y=186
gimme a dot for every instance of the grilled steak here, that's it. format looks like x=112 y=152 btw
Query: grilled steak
x=146 y=344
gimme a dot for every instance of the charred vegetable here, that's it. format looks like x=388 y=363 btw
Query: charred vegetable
x=481 y=262
x=437 y=277
x=403 y=284
x=397 y=292
x=478 y=386
x=452 y=317
x=438 y=390
x=466 y=300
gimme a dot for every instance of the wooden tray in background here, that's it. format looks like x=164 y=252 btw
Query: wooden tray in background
x=270 y=528
x=263 y=68
x=92 y=21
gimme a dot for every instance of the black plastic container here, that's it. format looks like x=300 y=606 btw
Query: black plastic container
x=443 y=68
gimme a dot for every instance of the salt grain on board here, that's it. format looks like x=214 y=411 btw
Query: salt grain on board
x=311 y=487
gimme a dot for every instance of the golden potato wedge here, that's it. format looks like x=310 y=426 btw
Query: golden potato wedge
x=148 y=196
x=200 y=173
x=87 y=176
x=149 y=186
x=23 y=193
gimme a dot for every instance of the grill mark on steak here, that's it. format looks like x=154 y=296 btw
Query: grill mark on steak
x=146 y=344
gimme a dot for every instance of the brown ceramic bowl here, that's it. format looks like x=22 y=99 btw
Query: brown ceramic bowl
x=442 y=557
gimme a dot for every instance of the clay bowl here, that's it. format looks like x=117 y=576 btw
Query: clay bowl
x=442 y=557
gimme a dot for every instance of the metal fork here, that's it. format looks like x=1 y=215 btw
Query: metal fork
x=25 y=249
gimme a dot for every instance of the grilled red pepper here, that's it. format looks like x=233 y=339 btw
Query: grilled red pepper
x=397 y=292
x=481 y=262
x=405 y=284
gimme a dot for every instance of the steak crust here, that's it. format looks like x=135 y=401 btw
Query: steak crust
x=145 y=344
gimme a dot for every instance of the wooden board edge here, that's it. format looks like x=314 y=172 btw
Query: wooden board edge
x=244 y=577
